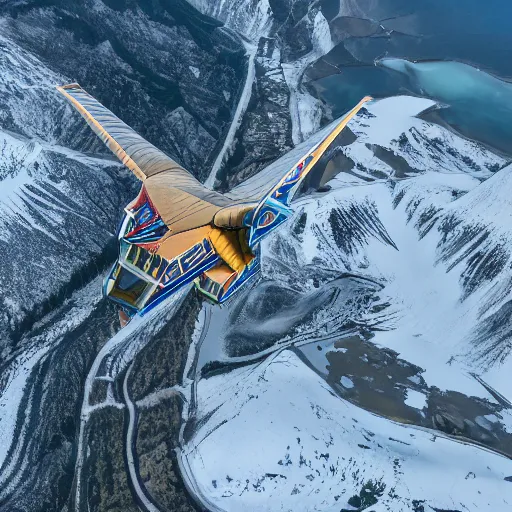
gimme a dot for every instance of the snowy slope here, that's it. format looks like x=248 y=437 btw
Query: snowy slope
x=56 y=219
x=436 y=239
x=157 y=66
x=252 y=19
x=278 y=438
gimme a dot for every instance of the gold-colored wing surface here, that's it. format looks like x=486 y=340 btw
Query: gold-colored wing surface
x=141 y=157
x=181 y=200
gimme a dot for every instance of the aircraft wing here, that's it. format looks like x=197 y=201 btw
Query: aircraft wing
x=141 y=157
x=181 y=200
x=300 y=161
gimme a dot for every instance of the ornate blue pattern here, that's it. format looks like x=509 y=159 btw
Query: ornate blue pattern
x=151 y=233
x=292 y=179
x=180 y=272
x=267 y=217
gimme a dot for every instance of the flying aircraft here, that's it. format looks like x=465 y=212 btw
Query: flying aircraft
x=177 y=231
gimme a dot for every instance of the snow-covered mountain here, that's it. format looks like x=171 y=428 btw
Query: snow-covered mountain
x=216 y=97
x=408 y=260
x=367 y=369
x=56 y=225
